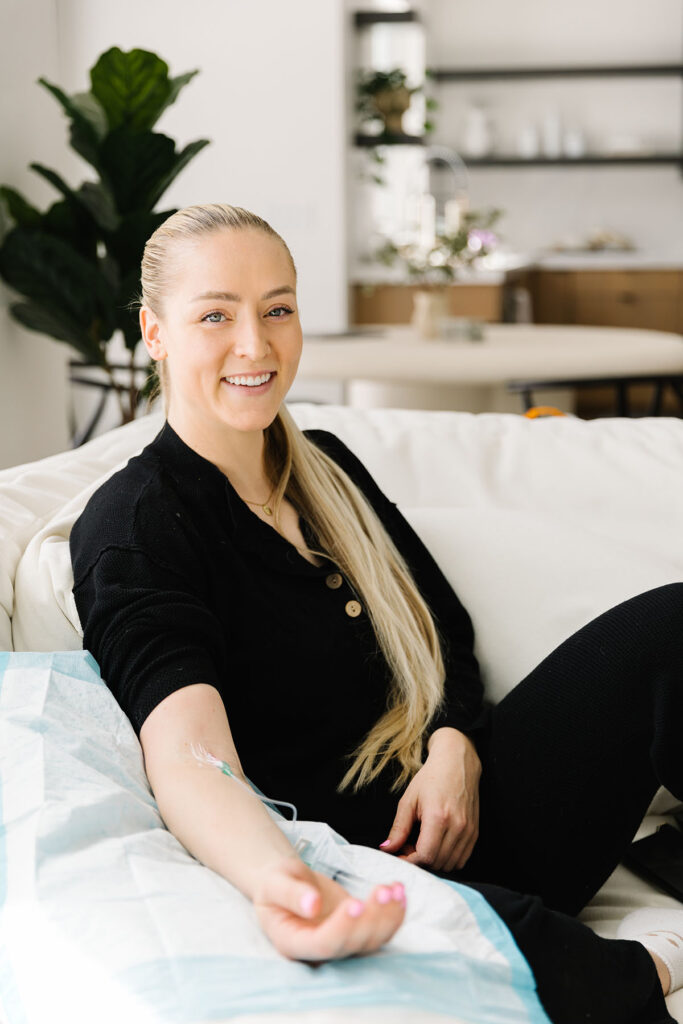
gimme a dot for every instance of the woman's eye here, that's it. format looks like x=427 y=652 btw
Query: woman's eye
x=285 y=310
x=209 y=318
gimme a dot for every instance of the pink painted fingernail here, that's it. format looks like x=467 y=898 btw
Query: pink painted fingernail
x=398 y=892
x=355 y=908
x=384 y=895
x=385 y=843
x=307 y=901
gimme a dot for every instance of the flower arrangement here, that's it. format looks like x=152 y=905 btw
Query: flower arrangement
x=437 y=264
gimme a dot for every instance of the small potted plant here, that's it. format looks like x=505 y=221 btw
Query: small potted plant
x=384 y=97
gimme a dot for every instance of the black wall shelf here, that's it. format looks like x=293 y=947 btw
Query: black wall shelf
x=389 y=139
x=569 y=161
x=479 y=74
x=518 y=161
x=363 y=18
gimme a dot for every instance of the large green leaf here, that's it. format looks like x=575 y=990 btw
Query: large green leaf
x=84 y=136
x=50 y=273
x=55 y=180
x=133 y=88
x=132 y=165
x=92 y=199
x=127 y=243
x=58 y=325
x=19 y=209
x=99 y=202
x=71 y=223
x=91 y=109
x=182 y=159
x=179 y=83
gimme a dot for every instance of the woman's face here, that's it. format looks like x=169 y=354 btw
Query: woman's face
x=230 y=331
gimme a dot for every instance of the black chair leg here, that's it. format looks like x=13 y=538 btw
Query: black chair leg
x=656 y=403
x=678 y=391
x=622 y=399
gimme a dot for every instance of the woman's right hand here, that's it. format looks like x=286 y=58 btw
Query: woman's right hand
x=307 y=916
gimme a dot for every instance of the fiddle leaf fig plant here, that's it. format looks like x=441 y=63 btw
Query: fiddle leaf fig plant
x=76 y=265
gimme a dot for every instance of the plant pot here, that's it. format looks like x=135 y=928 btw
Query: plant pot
x=430 y=306
x=392 y=105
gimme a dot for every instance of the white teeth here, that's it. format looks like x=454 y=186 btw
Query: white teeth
x=250 y=382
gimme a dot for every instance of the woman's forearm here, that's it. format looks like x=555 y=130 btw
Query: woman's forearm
x=219 y=822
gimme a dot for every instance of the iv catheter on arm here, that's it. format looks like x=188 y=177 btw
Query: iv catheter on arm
x=304 y=912
x=354 y=884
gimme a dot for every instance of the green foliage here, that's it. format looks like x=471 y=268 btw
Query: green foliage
x=77 y=264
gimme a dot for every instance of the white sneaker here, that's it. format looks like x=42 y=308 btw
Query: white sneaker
x=659 y=929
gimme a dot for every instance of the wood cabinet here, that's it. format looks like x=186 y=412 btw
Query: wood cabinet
x=651 y=299
x=393 y=303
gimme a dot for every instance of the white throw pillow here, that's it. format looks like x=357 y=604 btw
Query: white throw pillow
x=529 y=583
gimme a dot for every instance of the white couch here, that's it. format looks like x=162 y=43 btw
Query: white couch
x=539 y=524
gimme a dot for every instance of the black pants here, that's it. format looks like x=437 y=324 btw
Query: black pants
x=571 y=760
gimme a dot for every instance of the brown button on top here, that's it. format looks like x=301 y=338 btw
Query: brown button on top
x=353 y=609
x=334 y=580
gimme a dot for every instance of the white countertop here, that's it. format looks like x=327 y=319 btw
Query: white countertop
x=498 y=266
x=508 y=352
x=604 y=259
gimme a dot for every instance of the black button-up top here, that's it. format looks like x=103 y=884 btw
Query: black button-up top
x=177 y=582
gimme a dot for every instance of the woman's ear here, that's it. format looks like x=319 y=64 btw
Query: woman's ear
x=150 y=329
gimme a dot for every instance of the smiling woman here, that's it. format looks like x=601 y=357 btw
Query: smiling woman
x=246 y=586
x=226 y=341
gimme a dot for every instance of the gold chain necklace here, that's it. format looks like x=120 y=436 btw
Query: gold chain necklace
x=265 y=507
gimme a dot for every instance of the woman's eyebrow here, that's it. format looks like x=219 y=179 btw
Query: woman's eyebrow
x=232 y=297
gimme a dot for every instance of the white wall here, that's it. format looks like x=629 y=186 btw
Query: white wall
x=33 y=391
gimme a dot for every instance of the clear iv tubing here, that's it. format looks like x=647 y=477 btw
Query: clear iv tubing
x=355 y=884
x=204 y=757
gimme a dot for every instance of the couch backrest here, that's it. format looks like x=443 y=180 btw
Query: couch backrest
x=538 y=524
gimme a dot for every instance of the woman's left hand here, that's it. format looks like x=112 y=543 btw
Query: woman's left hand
x=444 y=797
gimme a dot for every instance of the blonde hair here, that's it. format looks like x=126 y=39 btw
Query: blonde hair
x=349 y=532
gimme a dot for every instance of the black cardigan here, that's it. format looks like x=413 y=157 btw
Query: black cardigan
x=177 y=582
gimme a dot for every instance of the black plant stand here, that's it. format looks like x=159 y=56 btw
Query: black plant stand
x=106 y=387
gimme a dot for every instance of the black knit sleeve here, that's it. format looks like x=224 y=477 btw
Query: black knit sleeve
x=145 y=616
x=465 y=708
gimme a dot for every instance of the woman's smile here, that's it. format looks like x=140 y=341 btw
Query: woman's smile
x=250 y=384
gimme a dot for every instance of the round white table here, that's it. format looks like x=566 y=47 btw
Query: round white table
x=391 y=366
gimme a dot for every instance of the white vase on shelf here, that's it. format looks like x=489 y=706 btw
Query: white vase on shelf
x=477 y=140
x=551 y=134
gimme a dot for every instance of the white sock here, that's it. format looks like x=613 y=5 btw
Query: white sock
x=659 y=929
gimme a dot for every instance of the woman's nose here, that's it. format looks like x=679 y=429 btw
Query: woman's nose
x=251 y=338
